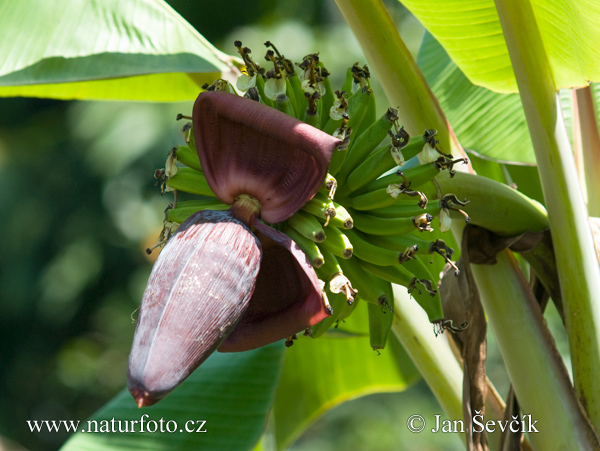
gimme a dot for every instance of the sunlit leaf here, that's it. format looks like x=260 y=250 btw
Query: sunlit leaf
x=321 y=374
x=231 y=392
x=471 y=34
x=487 y=123
x=140 y=50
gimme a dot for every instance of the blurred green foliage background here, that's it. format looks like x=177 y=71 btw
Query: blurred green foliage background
x=79 y=206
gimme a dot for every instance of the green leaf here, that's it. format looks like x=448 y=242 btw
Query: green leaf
x=489 y=123
x=340 y=366
x=231 y=392
x=109 y=49
x=471 y=34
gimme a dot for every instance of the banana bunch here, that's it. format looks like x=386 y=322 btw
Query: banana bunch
x=366 y=228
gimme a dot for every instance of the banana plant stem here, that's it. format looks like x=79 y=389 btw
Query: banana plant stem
x=589 y=139
x=576 y=260
x=431 y=355
x=535 y=367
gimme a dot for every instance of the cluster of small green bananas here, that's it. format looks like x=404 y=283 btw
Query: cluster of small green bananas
x=363 y=230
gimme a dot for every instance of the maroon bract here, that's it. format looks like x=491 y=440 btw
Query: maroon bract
x=225 y=280
x=246 y=147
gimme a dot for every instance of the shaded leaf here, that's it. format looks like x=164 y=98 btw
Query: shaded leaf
x=340 y=366
x=231 y=392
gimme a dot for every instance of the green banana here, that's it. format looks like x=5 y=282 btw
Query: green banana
x=184 y=210
x=370 y=168
x=298 y=93
x=289 y=91
x=260 y=86
x=393 y=273
x=374 y=225
x=190 y=181
x=401 y=242
x=332 y=271
x=338 y=303
x=367 y=289
x=358 y=105
x=399 y=274
x=369 y=252
x=361 y=148
x=414 y=147
x=326 y=102
x=188 y=133
x=380 y=325
x=311 y=119
x=374 y=199
x=506 y=213
x=407 y=208
x=426 y=294
x=309 y=247
x=370 y=113
x=188 y=157
x=382 y=198
x=417 y=176
x=337 y=243
x=342 y=218
x=321 y=206
x=284 y=104
x=307 y=225
x=329 y=186
x=347 y=309
x=331 y=266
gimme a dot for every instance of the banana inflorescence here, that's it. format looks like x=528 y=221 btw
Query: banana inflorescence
x=367 y=227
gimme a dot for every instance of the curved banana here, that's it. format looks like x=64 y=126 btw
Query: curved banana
x=369 y=252
x=307 y=225
x=338 y=303
x=423 y=290
x=358 y=103
x=407 y=208
x=361 y=148
x=380 y=325
x=386 y=197
x=430 y=302
x=374 y=225
x=416 y=176
x=321 y=207
x=342 y=218
x=337 y=243
x=368 y=290
x=309 y=247
x=189 y=157
x=393 y=273
x=190 y=181
x=284 y=104
x=401 y=242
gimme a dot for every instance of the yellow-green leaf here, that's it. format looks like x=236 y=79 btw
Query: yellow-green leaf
x=110 y=49
x=470 y=32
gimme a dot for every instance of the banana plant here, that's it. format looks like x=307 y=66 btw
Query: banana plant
x=261 y=244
